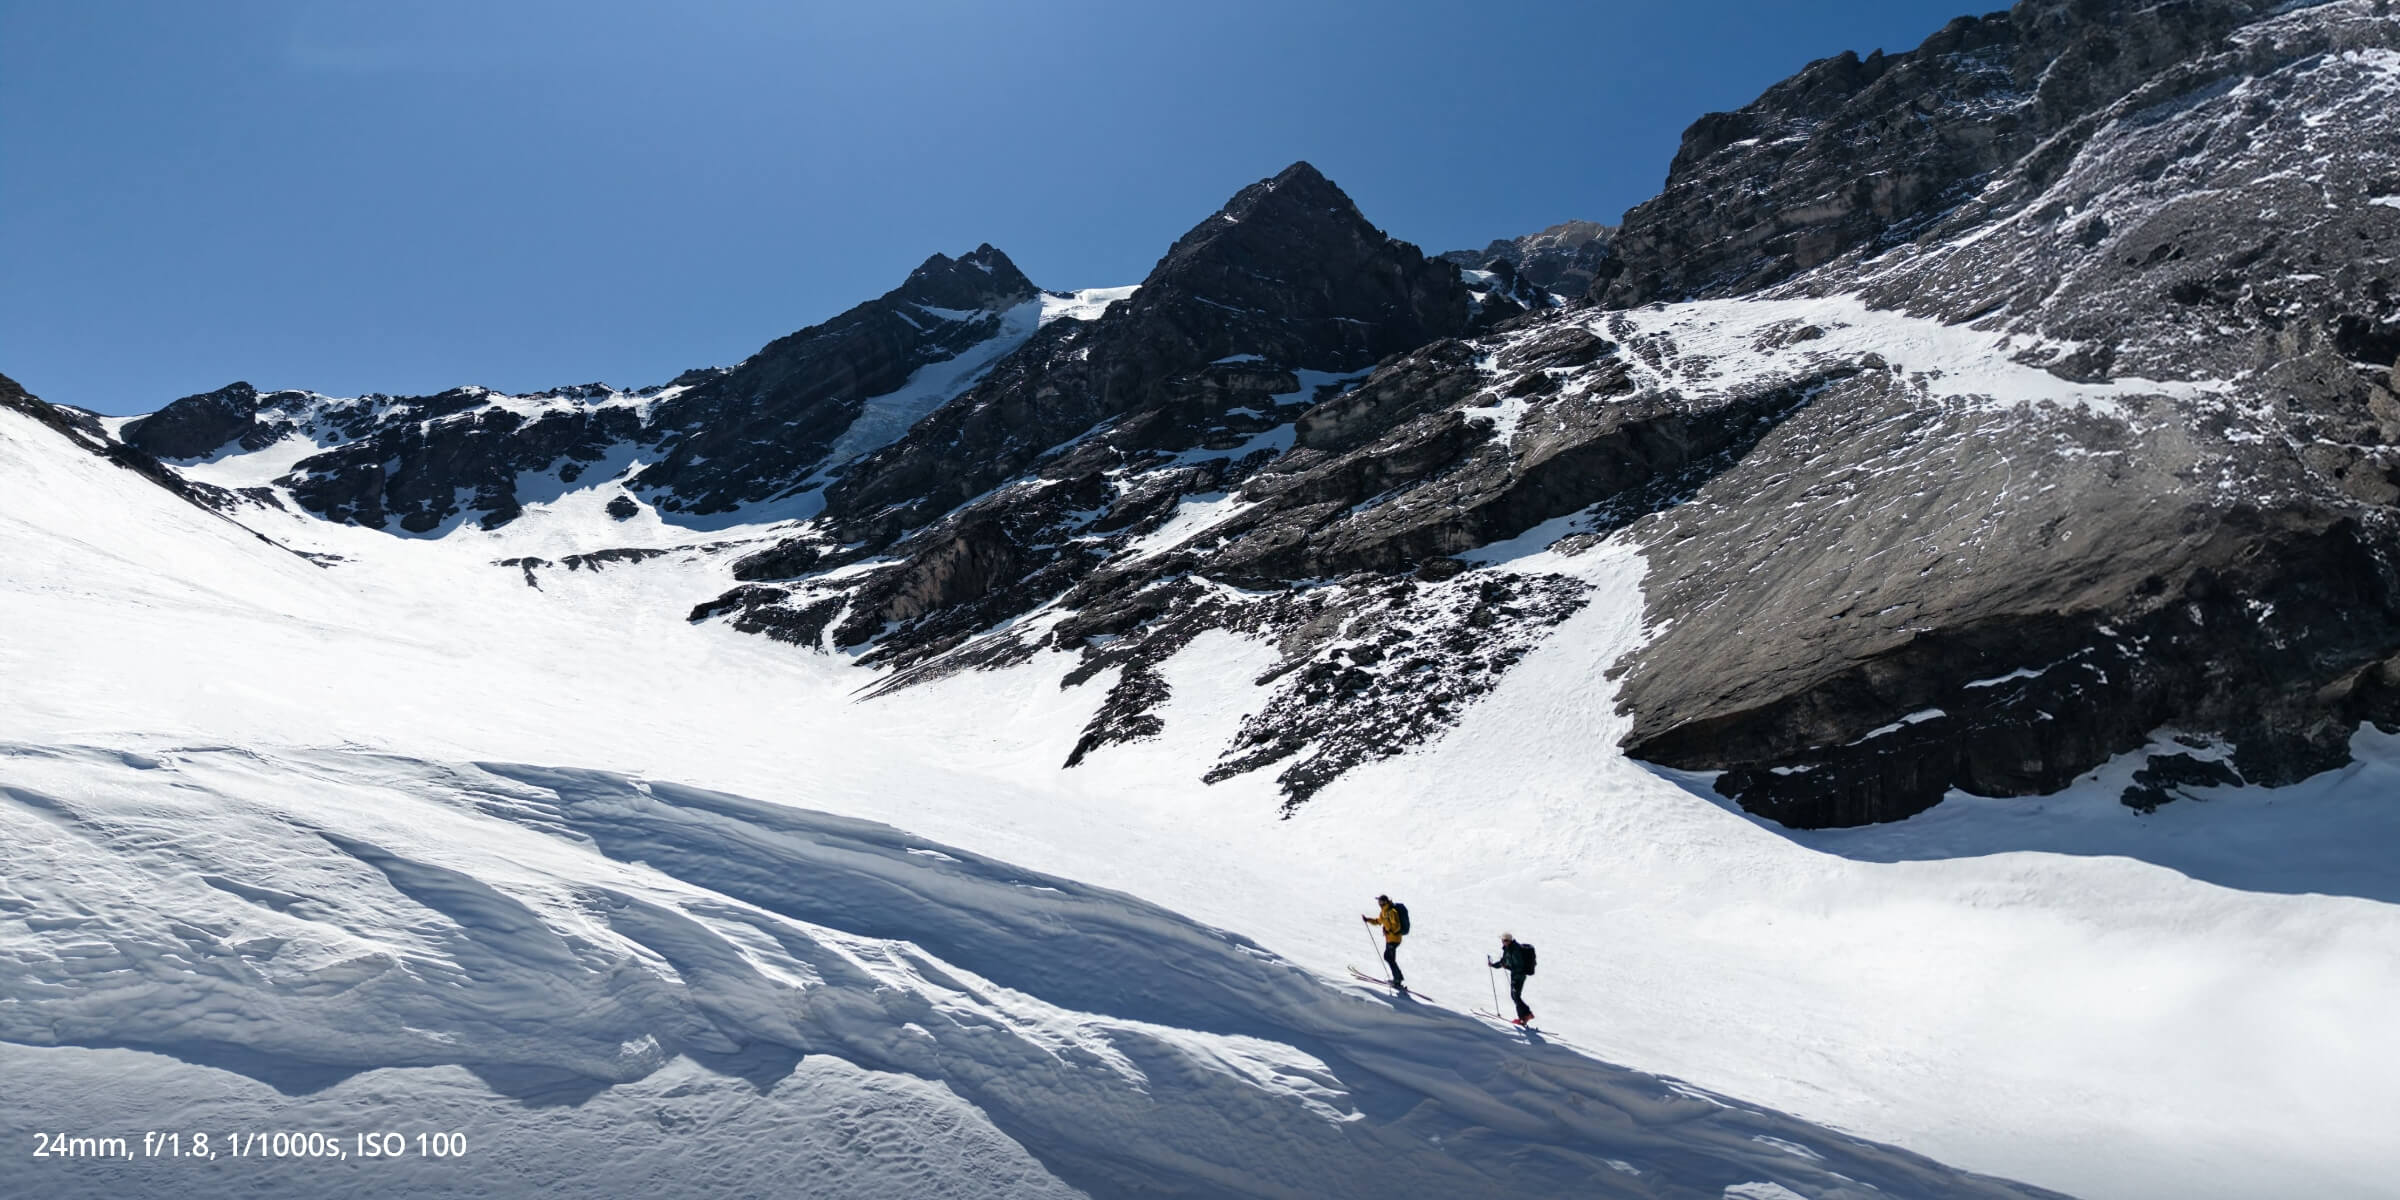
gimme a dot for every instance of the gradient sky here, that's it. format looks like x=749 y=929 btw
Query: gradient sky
x=403 y=197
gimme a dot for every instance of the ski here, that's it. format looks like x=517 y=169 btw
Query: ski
x=1503 y=1020
x=1381 y=981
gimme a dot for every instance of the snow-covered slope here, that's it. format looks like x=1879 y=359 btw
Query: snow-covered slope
x=2013 y=415
x=2052 y=1007
x=336 y=925
x=225 y=937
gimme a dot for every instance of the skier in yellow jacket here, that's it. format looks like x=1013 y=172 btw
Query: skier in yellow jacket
x=1394 y=919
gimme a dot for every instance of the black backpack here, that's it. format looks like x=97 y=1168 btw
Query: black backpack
x=1401 y=909
x=1525 y=955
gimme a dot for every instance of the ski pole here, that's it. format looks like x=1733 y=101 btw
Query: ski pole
x=1376 y=948
x=1488 y=969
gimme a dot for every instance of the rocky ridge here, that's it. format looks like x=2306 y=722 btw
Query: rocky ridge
x=2184 y=521
x=1983 y=411
x=1053 y=500
x=1324 y=511
x=1962 y=487
x=87 y=431
x=1562 y=261
x=711 y=441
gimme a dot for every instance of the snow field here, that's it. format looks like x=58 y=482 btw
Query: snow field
x=2104 y=1003
x=684 y=1131
x=322 y=919
x=1722 y=345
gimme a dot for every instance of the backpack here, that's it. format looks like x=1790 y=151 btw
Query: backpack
x=1401 y=909
x=1525 y=955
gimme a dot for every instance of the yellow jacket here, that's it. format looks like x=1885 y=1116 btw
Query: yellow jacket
x=1390 y=921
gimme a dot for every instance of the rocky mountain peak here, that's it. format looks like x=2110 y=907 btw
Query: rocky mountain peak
x=2161 y=220
x=1290 y=264
x=1297 y=209
x=1287 y=275
x=1871 y=151
x=197 y=424
x=980 y=279
x=761 y=428
x=1563 y=259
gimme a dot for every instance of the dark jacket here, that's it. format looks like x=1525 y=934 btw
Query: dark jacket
x=1512 y=958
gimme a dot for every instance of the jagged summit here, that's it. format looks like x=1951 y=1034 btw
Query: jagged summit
x=715 y=439
x=1291 y=264
x=982 y=278
x=1866 y=152
x=197 y=424
x=1286 y=275
x=765 y=425
x=1290 y=203
x=1562 y=260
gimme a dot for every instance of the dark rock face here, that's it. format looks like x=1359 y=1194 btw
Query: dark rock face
x=1563 y=260
x=2165 y=776
x=1455 y=479
x=1856 y=152
x=718 y=438
x=414 y=472
x=197 y=426
x=1204 y=360
x=2000 y=595
x=1266 y=496
x=1980 y=413
x=758 y=429
x=1079 y=475
x=594 y=561
x=1287 y=275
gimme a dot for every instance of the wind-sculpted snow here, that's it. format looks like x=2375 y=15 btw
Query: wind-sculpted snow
x=2100 y=1004
x=350 y=929
x=2063 y=460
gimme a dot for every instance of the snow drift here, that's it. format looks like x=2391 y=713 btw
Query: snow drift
x=342 y=926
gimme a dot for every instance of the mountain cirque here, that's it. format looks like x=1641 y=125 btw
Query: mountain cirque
x=1983 y=412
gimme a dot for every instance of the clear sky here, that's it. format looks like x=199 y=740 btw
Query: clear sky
x=401 y=197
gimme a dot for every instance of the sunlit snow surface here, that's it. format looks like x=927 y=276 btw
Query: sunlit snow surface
x=314 y=922
x=1715 y=345
x=2102 y=1003
x=888 y=416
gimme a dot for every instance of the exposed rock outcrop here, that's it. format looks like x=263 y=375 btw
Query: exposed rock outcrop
x=201 y=424
x=81 y=428
x=1867 y=152
x=714 y=439
x=751 y=432
x=2184 y=521
x=1982 y=412
x=1563 y=260
x=1288 y=275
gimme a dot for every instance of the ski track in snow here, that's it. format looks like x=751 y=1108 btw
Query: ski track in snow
x=2058 y=991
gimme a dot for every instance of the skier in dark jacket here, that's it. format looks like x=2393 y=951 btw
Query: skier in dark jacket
x=1517 y=960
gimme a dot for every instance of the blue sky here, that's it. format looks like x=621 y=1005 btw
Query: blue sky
x=405 y=197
